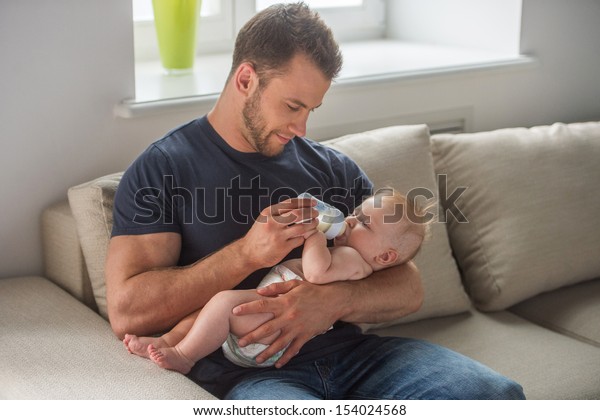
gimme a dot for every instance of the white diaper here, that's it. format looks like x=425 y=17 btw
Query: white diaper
x=246 y=356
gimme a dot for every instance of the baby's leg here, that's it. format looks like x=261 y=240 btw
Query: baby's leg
x=210 y=330
x=139 y=345
x=179 y=331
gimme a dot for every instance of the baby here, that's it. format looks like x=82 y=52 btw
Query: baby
x=385 y=230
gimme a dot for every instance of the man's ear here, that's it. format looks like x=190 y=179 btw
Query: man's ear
x=386 y=258
x=246 y=79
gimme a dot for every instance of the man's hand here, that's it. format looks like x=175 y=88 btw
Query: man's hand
x=300 y=312
x=277 y=231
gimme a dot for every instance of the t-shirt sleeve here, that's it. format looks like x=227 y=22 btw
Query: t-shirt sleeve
x=144 y=199
x=354 y=184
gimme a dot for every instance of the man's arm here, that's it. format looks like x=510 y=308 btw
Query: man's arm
x=147 y=293
x=385 y=295
x=303 y=310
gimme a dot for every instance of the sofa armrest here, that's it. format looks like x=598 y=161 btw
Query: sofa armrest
x=54 y=347
x=63 y=259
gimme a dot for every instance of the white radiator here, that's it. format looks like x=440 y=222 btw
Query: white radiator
x=456 y=120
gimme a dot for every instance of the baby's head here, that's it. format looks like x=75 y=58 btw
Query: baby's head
x=387 y=229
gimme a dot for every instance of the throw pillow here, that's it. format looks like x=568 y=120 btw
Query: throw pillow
x=91 y=204
x=531 y=207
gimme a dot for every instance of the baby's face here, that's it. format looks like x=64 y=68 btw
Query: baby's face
x=369 y=227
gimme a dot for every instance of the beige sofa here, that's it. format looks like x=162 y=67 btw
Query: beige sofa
x=510 y=277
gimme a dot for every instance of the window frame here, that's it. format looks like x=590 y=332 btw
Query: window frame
x=348 y=23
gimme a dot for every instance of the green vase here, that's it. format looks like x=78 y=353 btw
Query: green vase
x=175 y=22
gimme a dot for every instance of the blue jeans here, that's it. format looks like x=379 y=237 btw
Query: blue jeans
x=381 y=368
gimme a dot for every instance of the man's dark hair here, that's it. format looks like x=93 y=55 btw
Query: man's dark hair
x=276 y=34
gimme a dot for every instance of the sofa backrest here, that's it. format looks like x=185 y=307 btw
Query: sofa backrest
x=530 y=202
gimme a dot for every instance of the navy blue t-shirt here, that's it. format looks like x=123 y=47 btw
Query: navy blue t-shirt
x=193 y=183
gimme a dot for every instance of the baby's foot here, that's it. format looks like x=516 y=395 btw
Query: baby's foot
x=139 y=345
x=170 y=358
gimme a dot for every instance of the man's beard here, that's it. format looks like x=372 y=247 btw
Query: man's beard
x=256 y=126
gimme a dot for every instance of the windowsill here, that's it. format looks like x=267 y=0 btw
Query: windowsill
x=364 y=62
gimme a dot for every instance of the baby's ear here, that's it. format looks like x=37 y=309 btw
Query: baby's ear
x=387 y=258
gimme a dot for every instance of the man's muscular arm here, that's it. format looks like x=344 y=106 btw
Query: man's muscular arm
x=147 y=293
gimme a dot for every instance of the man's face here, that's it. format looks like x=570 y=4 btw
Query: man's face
x=276 y=113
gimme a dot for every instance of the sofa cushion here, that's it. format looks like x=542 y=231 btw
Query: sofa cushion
x=54 y=347
x=400 y=157
x=531 y=208
x=92 y=205
x=572 y=310
x=548 y=365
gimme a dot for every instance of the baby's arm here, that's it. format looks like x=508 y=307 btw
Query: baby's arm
x=324 y=265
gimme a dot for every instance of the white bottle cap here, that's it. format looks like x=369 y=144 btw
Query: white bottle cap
x=331 y=219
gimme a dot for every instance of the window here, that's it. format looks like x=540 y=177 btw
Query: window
x=488 y=25
x=220 y=20
x=350 y=20
x=142 y=9
x=317 y=4
x=399 y=39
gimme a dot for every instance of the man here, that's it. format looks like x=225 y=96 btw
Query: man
x=208 y=208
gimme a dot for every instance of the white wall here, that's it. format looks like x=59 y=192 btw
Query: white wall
x=66 y=63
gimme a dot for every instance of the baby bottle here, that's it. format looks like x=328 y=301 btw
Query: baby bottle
x=331 y=219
